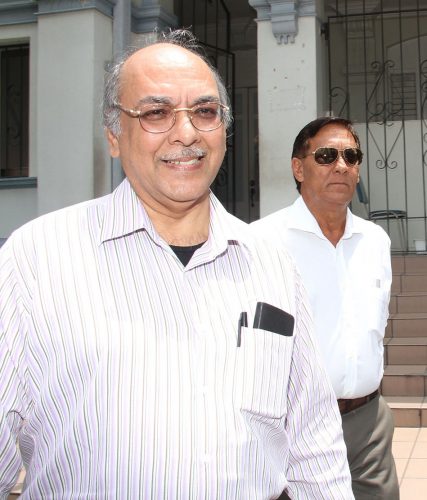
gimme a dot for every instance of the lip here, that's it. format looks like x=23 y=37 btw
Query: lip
x=184 y=164
x=338 y=184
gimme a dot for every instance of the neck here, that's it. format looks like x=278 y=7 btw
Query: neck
x=186 y=227
x=331 y=220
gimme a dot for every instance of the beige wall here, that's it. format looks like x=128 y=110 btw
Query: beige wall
x=404 y=181
x=288 y=98
x=68 y=154
x=73 y=164
x=18 y=206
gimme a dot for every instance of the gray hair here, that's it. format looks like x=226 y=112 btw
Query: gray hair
x=182 y=38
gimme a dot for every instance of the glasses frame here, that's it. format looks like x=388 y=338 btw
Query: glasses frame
x=340 y=153
x=135 y=113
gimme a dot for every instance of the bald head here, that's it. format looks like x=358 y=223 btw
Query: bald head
x=181 y=47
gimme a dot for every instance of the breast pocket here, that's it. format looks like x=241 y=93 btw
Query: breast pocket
x=262 y=368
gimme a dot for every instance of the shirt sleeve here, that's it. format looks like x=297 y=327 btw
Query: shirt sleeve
x=318 y=466
x=13 y=404
x=388 y=276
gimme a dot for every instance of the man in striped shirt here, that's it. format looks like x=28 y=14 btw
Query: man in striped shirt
x=140 y=355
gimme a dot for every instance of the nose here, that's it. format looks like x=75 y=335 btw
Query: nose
x=183 y=130
x=340 y=164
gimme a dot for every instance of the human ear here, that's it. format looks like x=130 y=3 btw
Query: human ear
x=297 y=169
x=113 y=144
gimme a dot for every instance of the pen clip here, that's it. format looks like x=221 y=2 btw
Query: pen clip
x=243 y=322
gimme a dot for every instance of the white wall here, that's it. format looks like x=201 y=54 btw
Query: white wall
x=288 y=98
x=18 y=206
x=73 y=49
x=68 y=153
x=401 y=186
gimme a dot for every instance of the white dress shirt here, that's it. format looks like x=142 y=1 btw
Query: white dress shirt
x=349 y=290
x=120 y=375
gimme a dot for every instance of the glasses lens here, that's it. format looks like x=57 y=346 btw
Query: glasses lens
x=207 y=116
x=156 y=117
x=325 y=156
x=353 y=156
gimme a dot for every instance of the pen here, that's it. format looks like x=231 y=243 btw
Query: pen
x=243 y=321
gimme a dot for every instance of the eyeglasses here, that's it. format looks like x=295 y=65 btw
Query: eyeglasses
x=327 y=156
x=158 y=118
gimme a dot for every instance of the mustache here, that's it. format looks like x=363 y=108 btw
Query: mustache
x=185 y=153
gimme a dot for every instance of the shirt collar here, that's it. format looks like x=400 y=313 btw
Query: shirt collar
x=225 y=229
x=303 y=220
x=125 y=214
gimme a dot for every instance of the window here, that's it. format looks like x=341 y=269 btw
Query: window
x=14 y=110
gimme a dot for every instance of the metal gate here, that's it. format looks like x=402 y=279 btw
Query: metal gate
x=378 y=79
x=209 y=20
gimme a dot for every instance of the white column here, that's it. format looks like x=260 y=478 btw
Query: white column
x=290 y=92
x=72 y=159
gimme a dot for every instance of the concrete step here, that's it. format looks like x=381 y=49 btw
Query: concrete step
x=405 y=351
x=404 y=384
x=409 y=263
x=408 y=411
x=407 y=325
x=404 y=380
x=408 y=302
x=409 y=282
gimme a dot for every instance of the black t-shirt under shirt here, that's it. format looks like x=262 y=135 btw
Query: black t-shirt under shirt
x=184 y=254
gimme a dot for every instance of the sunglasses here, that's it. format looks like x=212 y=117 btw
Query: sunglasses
x=327 y=156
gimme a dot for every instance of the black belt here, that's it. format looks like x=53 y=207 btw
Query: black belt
x=347 y=405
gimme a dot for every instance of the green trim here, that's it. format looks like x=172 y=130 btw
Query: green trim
x=26 y=11
x=149 y=18
x=49 y=7
x=18 y=12
x=18 y=182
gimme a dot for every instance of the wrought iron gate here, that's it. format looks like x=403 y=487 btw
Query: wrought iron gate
x=209 y=20
x=378 y=79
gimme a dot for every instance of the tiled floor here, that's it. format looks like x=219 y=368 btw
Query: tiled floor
x=410 y=455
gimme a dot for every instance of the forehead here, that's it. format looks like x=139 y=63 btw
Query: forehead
x=167 y=70
x=333 y=133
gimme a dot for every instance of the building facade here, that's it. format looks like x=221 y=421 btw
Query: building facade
x=285 y=63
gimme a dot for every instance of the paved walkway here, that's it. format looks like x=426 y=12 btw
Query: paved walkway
x=410 y=455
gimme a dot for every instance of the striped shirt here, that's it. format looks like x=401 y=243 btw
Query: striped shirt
x=120 y=375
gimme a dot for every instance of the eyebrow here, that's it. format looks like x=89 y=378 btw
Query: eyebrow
x=153 y=99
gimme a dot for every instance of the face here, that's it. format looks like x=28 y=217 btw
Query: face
x=332 y=185
x=170 y=171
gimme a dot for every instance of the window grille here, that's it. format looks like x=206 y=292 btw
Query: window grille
x=404 y=96
x=14 y=110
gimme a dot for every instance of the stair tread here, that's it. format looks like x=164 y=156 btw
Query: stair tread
x=410 y=315
x=406 y=401
x=414 y=272
x=405 y=385
x=398 y=341
x=420 y=370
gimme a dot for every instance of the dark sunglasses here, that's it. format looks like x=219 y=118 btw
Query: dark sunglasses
x=327 y=156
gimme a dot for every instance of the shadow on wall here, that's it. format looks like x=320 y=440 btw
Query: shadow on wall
x=2 y=240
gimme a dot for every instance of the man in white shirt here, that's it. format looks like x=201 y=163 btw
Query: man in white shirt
x=146 y=349
x=345 y=265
